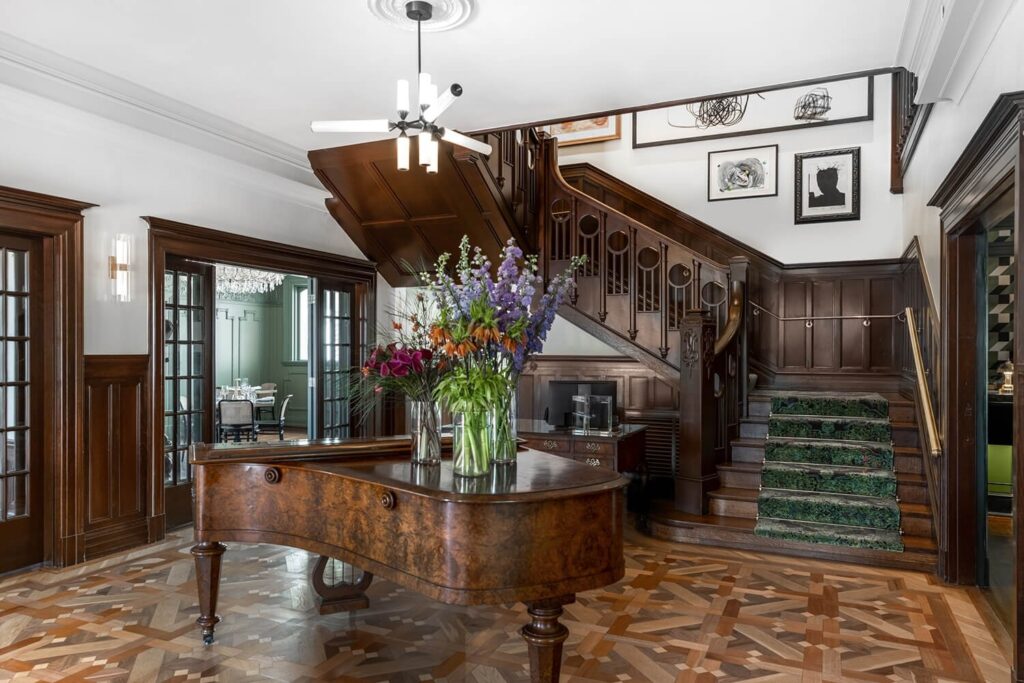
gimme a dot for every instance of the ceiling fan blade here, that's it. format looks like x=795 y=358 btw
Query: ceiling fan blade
x=353 y=126
x=457 y=138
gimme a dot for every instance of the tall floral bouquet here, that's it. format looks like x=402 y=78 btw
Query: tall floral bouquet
x=486 y=326
x=408 y=365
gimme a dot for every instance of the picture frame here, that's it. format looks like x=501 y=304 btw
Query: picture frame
x=826 y=186
x=743 y=173
x=586 y=131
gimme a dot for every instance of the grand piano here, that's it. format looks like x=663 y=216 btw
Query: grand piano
x=537 y=532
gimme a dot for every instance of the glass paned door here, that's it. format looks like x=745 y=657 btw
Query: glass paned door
x=187 y=392
x=21 y=477
x=336 y=355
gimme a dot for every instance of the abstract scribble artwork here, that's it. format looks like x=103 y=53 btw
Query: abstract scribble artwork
x=743 y=173
x=827 y=186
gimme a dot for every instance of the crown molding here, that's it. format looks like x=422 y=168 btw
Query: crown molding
x=42 y=72
x=945 y=41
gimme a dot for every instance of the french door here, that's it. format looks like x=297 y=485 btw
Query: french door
x=334 y=306
x=188 y=372
x=21 y=467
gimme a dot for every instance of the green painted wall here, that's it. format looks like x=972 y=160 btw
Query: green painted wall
x=254 y=340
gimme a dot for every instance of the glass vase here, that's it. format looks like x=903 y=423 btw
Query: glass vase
x=504 y=416
x=472 y=443
x=425 y=429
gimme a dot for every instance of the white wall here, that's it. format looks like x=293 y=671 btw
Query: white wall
x=565 y=339
x=677 y=174
x=948 y=131
x=55 y=149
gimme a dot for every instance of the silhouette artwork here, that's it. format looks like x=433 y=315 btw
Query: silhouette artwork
x=828 y=193
x=827 y=185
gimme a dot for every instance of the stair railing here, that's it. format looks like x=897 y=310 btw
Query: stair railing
x=637 y=282
x=925 y=408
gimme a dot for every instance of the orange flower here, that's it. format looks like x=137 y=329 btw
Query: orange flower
x=438 y=335
x=395 y=324
x=510 y=344
x=449 y=348
x=366 y=371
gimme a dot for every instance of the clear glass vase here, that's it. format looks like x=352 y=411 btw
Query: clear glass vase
x=504 y=416
x=472 y=443
x=425 y=429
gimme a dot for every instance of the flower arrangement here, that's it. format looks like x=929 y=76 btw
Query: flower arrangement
x=486 y=326
x=408 y=365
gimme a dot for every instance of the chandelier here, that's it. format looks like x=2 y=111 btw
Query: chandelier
x=237 y=280
x=420 y=122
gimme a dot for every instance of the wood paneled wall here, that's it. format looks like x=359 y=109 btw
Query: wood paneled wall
x=117 y=467
x=787 y=351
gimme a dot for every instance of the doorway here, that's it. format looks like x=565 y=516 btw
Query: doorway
x=207 y=345
x=21 y=464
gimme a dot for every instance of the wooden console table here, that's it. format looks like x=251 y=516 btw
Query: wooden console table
x=622 y=451
x=538 y=532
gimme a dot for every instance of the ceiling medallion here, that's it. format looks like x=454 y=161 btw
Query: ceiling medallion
x=418 y=119
x=447 y=14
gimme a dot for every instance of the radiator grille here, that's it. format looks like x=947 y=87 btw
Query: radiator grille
x=662 y=431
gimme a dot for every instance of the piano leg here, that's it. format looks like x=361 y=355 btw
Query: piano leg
x=207 y=556
x=544 y=636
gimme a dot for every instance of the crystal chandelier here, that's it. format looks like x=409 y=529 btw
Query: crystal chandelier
x=423 y=125
x=237 y=280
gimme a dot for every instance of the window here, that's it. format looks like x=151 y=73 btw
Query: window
x=300 y=323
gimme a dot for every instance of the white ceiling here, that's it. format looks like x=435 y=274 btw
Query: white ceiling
x=273 y=65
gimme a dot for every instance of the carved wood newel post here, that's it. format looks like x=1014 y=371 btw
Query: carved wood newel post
x=697 y=473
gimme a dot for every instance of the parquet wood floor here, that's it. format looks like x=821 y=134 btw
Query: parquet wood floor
x=682 y=614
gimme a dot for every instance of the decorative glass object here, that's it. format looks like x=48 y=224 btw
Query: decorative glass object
x=592 y=414
x=425 y=430
x=505 y=415
x=1007 y=370
x=472 y=443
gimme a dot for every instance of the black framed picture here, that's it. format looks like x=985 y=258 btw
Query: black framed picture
x=827 y=186
x=743 y=173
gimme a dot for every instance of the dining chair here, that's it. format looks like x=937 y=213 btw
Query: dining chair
x=277 y=424
x=265 y=399
x=236 y=418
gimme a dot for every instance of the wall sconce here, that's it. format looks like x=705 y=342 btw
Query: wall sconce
x=120 y=264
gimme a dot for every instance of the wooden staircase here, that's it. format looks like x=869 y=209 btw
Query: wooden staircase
x=649 y=268
x=732 y=508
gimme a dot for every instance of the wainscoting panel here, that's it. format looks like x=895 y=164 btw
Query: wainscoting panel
x=117 y=466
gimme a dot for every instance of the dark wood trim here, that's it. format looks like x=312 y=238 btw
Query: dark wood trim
x=688 y=100
x=1018 y=399
x=206 y=245
x=57 y=223
x=116 y=457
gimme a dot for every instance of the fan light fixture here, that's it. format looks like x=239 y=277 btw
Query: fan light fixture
x=430 y=106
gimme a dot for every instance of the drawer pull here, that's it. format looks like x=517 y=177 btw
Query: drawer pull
x=387 y=500
x=593 y=462
x=548 y=443
x=592 y=447
x=272 y=475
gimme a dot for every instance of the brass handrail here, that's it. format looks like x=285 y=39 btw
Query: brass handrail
x=931 y=429
x=808 y=320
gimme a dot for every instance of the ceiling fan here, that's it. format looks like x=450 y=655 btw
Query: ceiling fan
x=430 y=106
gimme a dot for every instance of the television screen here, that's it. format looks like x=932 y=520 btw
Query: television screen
x=559 y=410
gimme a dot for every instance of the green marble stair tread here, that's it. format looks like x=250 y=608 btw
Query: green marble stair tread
x=827 y=452
x=831 y=405
x=830 y=534
x=873 y=429
x=833 y=508
x=829 y=479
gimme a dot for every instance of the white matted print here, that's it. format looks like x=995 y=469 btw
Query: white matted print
x=743 y=173
x=583 y=131
x=827 y=186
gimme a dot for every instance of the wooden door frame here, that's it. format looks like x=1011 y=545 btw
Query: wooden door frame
x=990 y=165
x=57 y=224
x=168 y=237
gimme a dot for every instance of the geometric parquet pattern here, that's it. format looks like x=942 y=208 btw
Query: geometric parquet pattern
x=687 y=614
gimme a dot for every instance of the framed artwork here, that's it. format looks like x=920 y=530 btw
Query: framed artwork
x=743 y=173
x=583 y=131
x=827 y=186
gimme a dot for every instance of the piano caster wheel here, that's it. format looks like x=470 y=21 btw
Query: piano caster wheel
x=208 y=639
